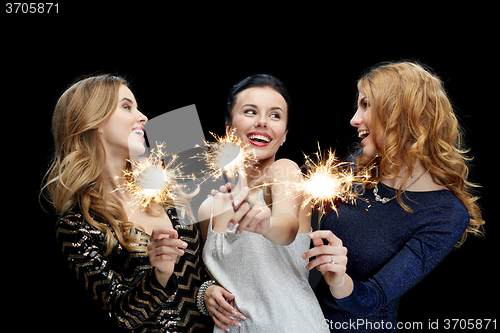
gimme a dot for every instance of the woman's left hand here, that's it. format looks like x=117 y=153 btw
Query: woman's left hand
x=249 y=212
x=331 y=259
x=251 y=215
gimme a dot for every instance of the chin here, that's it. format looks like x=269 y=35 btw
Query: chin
x=265 y=153
x=370 y=151
x=135 y=148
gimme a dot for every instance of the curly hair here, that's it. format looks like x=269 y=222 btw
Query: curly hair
x=76 y=175
x=418 y=121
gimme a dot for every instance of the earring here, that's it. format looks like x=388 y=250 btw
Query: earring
x=281 y=144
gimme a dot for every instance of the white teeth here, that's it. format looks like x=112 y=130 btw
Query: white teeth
x=138 y=131
x=363 y=134
x=260 y=137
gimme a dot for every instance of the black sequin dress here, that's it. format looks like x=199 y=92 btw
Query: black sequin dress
x=124 y=283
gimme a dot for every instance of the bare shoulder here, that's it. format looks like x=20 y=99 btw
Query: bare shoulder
x=283 y=169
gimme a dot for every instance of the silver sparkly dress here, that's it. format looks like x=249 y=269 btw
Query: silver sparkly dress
x=269 y=281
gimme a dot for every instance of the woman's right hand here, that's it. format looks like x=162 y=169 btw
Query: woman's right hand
x=216 y=301
x=163 y=249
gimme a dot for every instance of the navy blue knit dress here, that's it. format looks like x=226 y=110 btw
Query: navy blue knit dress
x=389 y=252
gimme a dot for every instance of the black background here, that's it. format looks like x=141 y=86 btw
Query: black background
x=174 y=65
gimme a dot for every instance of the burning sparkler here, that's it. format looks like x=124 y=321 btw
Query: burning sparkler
x=151 y=180
x=327 y=181
x=227 y=156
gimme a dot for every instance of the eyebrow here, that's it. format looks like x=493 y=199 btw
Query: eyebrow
x=125 y=98
x=255 y=106
x=251 y=105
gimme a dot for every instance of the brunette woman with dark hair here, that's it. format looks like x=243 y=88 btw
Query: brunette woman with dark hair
x=253 y=248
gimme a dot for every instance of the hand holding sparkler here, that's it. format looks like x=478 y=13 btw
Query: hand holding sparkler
x=331 y=261
x=163 y=249
x=250 y=213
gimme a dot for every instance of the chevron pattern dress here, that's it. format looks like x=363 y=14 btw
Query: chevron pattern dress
x=124 y=284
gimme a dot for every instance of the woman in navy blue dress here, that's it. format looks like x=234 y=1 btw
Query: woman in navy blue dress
x=420 y=207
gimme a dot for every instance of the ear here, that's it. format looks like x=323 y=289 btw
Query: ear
x=284 y=137
x=228 y=128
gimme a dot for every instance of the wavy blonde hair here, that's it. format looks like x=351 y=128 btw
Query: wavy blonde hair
x=418 y=121
x=76 y=175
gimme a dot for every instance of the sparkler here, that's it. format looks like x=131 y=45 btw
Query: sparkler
x=327 y=181
x=151 y=180
x=227 y=156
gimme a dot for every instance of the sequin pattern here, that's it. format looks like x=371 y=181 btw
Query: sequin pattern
x=390 y=250
x=269 y=281
x=124 y=284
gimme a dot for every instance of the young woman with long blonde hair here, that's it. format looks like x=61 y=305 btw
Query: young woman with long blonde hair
x=141 y=266
x=419 y=208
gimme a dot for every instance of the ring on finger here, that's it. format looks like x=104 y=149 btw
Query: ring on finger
x=218 y=309
x=332 y=262
x=251 y=203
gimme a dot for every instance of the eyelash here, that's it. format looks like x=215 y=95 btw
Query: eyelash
x=255 y=112
x=364 y=104
x=127 y=107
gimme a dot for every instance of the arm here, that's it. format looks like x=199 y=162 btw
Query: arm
x=279 y=225
x=420 y=255
x=82 y=246
x=286 y=201
x=216 y=297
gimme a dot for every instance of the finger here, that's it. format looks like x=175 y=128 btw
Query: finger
x=238 y=215
x=224 y=307
x=327 y=260
x=167 y=246
x=166 y=251
x=239 y=198
x=165 y=257
x=260 y=215
x=322 y=249
x=170 y=242
x=318 y=251
x=222 y=315
x=326 y=234
x=333 y=268
x=257 y=214
x=226 y=294
x=248 y=220
x=219 y=323
x=318 y=242
x=229 y=186
x=158 y=232
x=229 y=297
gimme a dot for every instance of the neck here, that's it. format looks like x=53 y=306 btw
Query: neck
x=396 y=182
x=256 y=174
x=113 y=171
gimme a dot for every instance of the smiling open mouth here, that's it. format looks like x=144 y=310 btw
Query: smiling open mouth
x=363 y=134
x=259 y=139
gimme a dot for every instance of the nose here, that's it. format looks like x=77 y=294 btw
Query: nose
x=357 y=119
x=261 y=121
x=142 y=118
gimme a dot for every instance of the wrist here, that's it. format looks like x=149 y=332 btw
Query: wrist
x=200 y=298
x=342 y=288
x=161 y=277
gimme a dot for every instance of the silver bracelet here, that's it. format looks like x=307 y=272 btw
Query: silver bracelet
x=201 y=293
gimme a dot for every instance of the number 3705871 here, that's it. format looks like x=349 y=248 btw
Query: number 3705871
x=31 y=7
